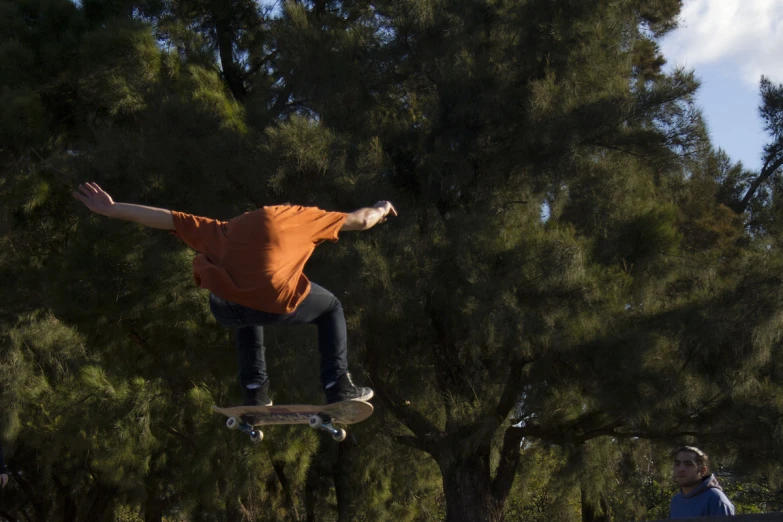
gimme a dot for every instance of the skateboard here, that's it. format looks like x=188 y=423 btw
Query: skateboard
x=318 y=417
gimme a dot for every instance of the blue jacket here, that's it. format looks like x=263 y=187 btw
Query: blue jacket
x=706 y=500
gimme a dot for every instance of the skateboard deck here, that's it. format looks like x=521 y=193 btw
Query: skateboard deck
x=318 y=417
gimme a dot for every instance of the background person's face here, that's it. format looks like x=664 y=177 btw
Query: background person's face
x=686 y=472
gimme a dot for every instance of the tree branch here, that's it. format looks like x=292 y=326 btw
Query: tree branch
x=410 y=441
x=448 y=371
x=69 y=508
x=653 y=436
x=507 y=467
x=560 y=437
x=279 y=467
x=6 y=515
x=266 y=59
x=282 y=100
x=767 y=172
x=513 y=388
x=25 y=486
x=621 y=150
x=225 y=42
x=426 y=432
x=180 y=435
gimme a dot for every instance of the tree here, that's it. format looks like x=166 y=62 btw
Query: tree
x=771 y=111
x=495 y=303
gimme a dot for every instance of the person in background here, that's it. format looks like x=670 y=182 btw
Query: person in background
x=700 y=493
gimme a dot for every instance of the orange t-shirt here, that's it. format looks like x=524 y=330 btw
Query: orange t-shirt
x=257 y=259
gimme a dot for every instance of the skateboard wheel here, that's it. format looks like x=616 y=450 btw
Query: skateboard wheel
x=316 y=422
x=232 y=423
x=256 y=436
x=340 y=435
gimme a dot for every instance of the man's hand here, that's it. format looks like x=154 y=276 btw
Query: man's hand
x=366 y=218
x=387 y=209
x=4 y=479
x=95 y=198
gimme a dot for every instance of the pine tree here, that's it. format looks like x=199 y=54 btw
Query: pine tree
x=771 y=111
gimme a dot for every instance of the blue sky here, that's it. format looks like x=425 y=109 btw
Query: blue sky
x=730 y=44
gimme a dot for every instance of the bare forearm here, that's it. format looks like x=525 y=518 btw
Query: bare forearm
x=148 y=216
x=364 y=219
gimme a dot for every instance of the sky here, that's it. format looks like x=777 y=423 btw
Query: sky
x=730 y=44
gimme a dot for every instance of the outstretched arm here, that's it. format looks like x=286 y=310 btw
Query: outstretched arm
x=366 y=218
x=101 y=203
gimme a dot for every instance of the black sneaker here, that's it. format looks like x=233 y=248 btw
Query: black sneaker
x=344 y=390
x=256 y=397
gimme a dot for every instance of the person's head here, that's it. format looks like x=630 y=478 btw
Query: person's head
x=691 y=465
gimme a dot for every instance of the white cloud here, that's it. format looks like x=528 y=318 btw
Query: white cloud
x=746 y=36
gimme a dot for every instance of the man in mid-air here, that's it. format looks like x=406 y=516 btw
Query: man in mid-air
x=253 y=267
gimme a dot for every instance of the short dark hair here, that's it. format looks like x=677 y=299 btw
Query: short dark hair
x=702 y=459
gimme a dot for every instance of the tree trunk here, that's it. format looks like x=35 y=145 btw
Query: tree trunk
x=102 y=507
x=317 y=483
x=467 y=486
x=154 y=507
x=310 y=495
x=590 y=512
x=279 y=467
x=69 y=507
x=225 y=42
x=39 y=509
x=233 y=512
x=152 y=512
x=341 y=486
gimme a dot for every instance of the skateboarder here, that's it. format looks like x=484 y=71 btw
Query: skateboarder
x=253 y=267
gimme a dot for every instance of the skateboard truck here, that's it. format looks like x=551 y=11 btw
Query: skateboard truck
x=234 y=423
x=317 y=422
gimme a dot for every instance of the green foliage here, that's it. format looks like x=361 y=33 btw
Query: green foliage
x=122 y=61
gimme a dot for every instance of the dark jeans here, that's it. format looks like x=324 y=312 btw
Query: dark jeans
x=320 y=308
